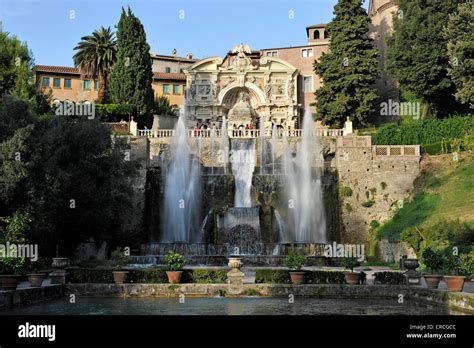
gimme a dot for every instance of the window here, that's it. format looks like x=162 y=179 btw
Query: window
x=96 y=84
x=272 y=54
x=307 y=84
x=45 y=81
x=87 y=84
x=166 y=89
x=67 y=83
x=307 y=52
x=56 y=82
x=317 y=35
x=167 y=69
x=175 y=89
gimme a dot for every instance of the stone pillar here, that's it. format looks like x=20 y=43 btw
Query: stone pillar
x=347 y=127
x=133 y=127
x=155 y=126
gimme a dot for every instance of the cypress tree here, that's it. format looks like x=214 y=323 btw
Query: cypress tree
x=417 y=53
x=131 y=77
x=349 y=69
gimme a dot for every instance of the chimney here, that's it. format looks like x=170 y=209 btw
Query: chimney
x=174 y=52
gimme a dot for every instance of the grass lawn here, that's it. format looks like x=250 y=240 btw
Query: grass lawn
x=445 y=190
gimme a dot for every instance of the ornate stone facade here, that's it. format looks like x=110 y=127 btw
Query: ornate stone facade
x=243 y=80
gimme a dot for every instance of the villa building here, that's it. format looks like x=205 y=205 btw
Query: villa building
x=67 y=83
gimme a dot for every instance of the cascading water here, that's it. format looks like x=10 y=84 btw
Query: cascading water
x=303 y=188
x=274 y=145
x=224 y=145
x=243 y=165
x=261 y=124
x=182 y=191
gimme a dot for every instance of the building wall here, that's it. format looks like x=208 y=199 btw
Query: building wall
x=175 y=64
x=76 y=93
x=175 y=99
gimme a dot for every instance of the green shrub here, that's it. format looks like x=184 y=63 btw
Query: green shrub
x=250 y=292
x=148 y=276
x=83 y=275
x=392 y=278
x=348 y=207
x=272 y=276
x=295 y=261
x=368 y=204
x=204 y=276
x=119 y=258
x=433 y=259
x=174 y=261
x=350 y=263
x=346 y=191
x=427 y=131
x=279 y=276
x=466 y=267
x=374 y=224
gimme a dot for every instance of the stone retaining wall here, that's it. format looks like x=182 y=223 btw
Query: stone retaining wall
x=9 y=299
x=459 y=301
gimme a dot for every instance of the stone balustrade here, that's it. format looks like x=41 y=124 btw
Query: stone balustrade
x=244 y=133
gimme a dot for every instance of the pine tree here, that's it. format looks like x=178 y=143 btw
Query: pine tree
x=131 y=77
x=417 y=53
x=349 y=69
x=460 y=35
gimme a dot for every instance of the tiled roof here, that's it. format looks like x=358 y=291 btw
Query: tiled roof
x=57 y=69
x=169 y=76
x=178 y=59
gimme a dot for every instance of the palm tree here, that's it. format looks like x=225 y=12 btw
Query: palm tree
x=96 y=54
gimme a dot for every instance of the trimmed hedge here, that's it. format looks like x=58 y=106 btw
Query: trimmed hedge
x=427 y=132
x=148 y=276
x=392 y=278
x=280 y=276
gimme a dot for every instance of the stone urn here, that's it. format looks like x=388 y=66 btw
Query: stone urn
x=235 y=262
x=413 y=277
x=235 y=276
x=411 y=264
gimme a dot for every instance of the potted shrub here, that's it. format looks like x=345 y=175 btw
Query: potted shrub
x=35 y=277
x=459 y=267
x=9 y=268
x=174 y=266
x=434 y=261
x=351 y=277
x=119 y=260
x=295 y=262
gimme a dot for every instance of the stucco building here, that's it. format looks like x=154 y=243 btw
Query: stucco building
x=67 y=83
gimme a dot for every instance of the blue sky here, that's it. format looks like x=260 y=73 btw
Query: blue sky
x=209 y=27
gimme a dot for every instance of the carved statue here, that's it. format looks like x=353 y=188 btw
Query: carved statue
x=192 y=90
x=291 y=89
x=268 y=89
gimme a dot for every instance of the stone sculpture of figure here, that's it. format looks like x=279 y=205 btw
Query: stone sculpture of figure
x=268 y=89
x=291 y=89
x=216 y=89
x=192 y=90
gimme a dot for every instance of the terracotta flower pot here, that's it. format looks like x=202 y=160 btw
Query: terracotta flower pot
x=9 y=282
x=174 y=277
x=120 y=277
x=432 y=281
x=36 y=279
x=297 y=277
x=454 y=283
x=352 y=278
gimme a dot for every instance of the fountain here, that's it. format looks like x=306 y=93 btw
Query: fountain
x=303 y=187
x=243 y=165
x=182 y=191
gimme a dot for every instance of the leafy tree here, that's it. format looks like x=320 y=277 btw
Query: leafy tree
x=459 y=33
x=131 y=76
x=162 y=106
x=95 y=56
x=349 y=69
x=15 y=66
x=417 y=53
